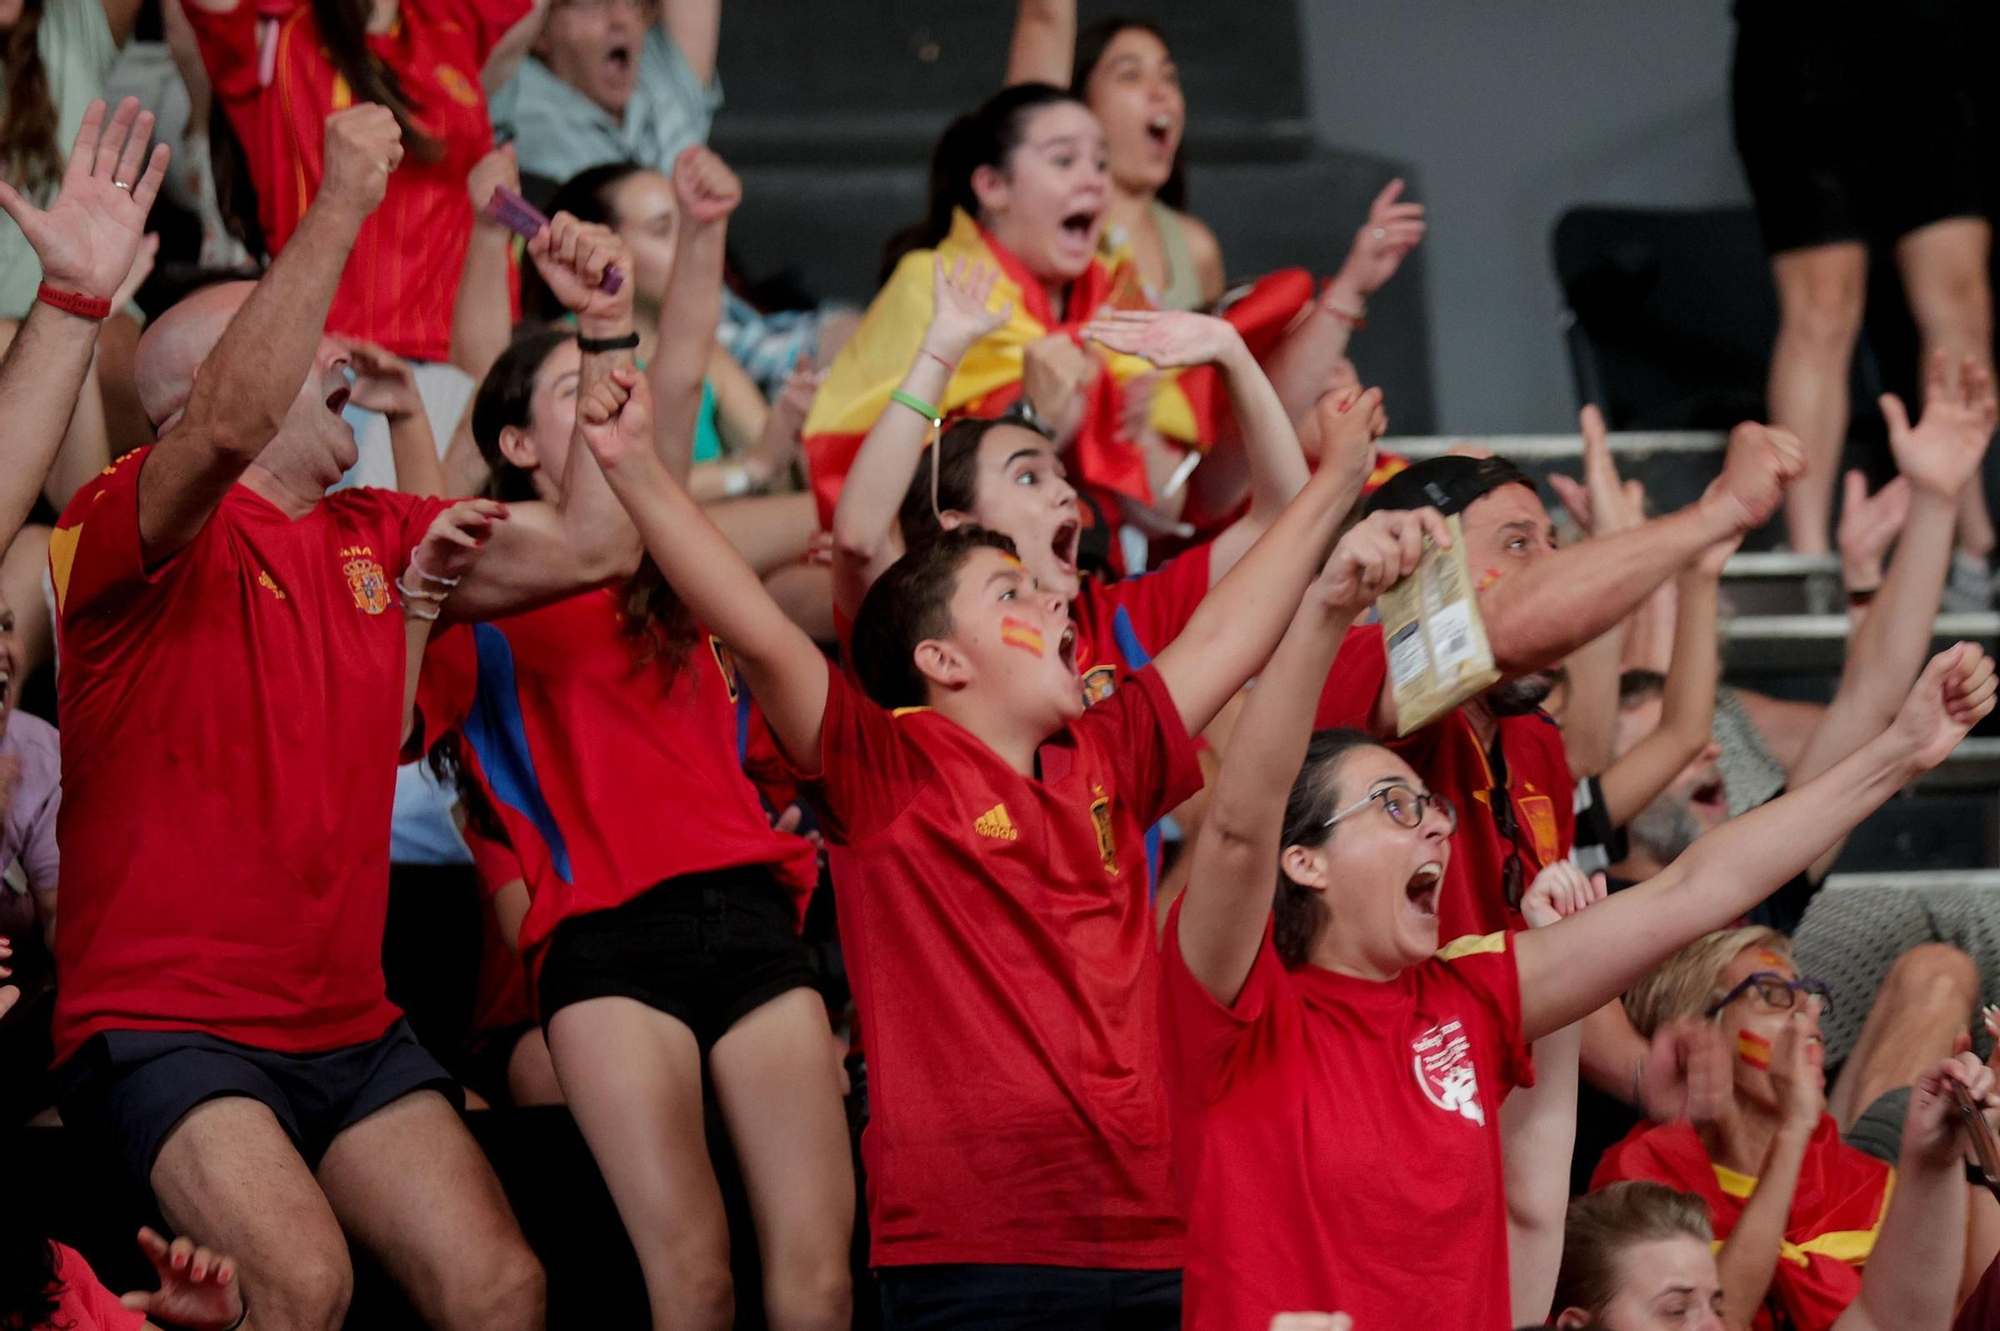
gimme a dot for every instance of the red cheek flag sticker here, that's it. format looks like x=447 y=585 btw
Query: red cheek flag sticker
x=1020 y=633
x=1753 y=1049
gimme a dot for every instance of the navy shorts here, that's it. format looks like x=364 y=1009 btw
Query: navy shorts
x=130 y=1089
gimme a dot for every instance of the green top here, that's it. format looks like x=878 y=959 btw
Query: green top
x=1183 y=287
x=77 y=49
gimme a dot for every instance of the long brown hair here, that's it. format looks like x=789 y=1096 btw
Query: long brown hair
x=343 y=28
x=30 y=157
x=655 y=619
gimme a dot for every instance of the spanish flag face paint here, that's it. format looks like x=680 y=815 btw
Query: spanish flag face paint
x=1020 y=633
x=1753 y=1049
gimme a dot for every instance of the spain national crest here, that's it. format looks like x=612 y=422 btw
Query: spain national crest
x=369 y=584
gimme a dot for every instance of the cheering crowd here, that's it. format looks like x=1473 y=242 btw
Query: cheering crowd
x=953 y=743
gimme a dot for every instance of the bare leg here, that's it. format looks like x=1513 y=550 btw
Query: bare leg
x=230 y=1177
x=1944 y=268
x=776 y=1077
x=410 y=1184
x=1820 y=295
x=531 y=1073
x=1925 y=1002
x=632 y=1076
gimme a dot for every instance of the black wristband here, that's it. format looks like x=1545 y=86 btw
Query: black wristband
x=241 y=1317
x=596 y=346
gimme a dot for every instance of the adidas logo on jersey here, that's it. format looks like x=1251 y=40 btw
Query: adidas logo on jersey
x=995 y=823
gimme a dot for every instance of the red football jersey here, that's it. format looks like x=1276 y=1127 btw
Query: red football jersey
x=999 y=937
x=1451 y=760
x=610 y=775
x=1123 y=625
x=274 y=79
x=1339 y=1138
x=230 y=726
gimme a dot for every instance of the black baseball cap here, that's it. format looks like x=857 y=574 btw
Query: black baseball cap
x=1448 y=484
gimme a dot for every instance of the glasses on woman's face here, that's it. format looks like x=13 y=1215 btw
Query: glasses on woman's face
x=1406 y=807
x=1776 y=992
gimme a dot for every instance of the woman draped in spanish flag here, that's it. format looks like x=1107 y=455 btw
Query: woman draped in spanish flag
x=1797 y=1209
x=1020 y=187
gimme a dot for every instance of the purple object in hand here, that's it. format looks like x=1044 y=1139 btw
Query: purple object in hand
x=521 y=217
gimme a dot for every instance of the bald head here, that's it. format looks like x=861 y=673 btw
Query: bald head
x=176 y=343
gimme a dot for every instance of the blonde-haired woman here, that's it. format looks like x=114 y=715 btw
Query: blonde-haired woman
x=1801 y=1210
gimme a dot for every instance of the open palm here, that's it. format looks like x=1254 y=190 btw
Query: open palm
x=1943 y=450
x=88 y=235
x=1167 y=338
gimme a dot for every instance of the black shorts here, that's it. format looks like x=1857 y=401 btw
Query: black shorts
x=130 y=1089
x=1855 y=119
x=707 y=949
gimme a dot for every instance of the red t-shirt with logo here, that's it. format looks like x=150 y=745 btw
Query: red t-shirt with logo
x=611 y=774
x=83 y=1303
x=999 y=936
x=231 y=721
x=1447 y=754
x=275 y=80
x=1339 y=1139
x=1123 y=625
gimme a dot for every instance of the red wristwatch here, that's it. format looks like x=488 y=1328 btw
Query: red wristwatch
x=74 y=302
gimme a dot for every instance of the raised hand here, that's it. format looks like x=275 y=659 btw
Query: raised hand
x=364 y=144
x=615 y=415
x=1950 y=698
x=1601 y=503
x=1686 y=1075
x=1762 y=460
x=1392 y=230
x=1346 y=426
x=704 y=186
x=961 y=293
x=780 y=440
x=1377 y=552
x=383 y=381
x=571 y=256
x=1869 y=525
x=87 y=238
x=497 y=170
x=1559 y=891
x=1931 y=1128
x=1798 y=1067
x=455 y=539
x=1944 y=449
x=198 y=1288
x=1054 y=373
x=1167 y=338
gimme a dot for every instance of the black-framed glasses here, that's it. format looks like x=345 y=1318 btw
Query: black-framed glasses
x=1405 y=806
x=1776 y=992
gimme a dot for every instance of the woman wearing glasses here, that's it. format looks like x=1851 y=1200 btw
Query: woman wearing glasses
x=1335 y=1073
x=1798 y=1209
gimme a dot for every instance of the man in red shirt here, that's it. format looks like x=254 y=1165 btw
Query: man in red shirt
x=1500 y=759
x=987 y=842
x=234 y=692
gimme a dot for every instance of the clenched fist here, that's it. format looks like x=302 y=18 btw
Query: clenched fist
x=704 y=186
x=363 y=145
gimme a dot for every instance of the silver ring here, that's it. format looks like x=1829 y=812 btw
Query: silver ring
x=122 y=185
x=1378 y=233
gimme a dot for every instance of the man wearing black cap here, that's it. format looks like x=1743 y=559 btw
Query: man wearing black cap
x=1499 y=758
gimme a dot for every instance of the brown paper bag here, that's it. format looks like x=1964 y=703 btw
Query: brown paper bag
x=1436 y=641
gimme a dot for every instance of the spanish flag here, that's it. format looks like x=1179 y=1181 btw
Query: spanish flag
x=988 y=380
x=1836 y=1215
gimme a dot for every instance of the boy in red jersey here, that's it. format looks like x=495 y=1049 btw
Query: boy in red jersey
x=987 y=839
x=231 y=667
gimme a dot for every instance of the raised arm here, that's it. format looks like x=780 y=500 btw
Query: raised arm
x=1540 y=614
x=482 y=314
x=866 y=539
x=784 y=669
x=1580 y=963
x=695 y=26
x=1044 y=45
x=249 y=382
x=1239 y=622
x=1938 y=458
x=507 y=54
x=544 y=552
x=1228 y=899
x=1912 y=1277
x=385 y=383
x=1275 y=463
x=1748 y=1260
x=448 y=551
x=1687 y=711
x=85 y=242
x=707 y=192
